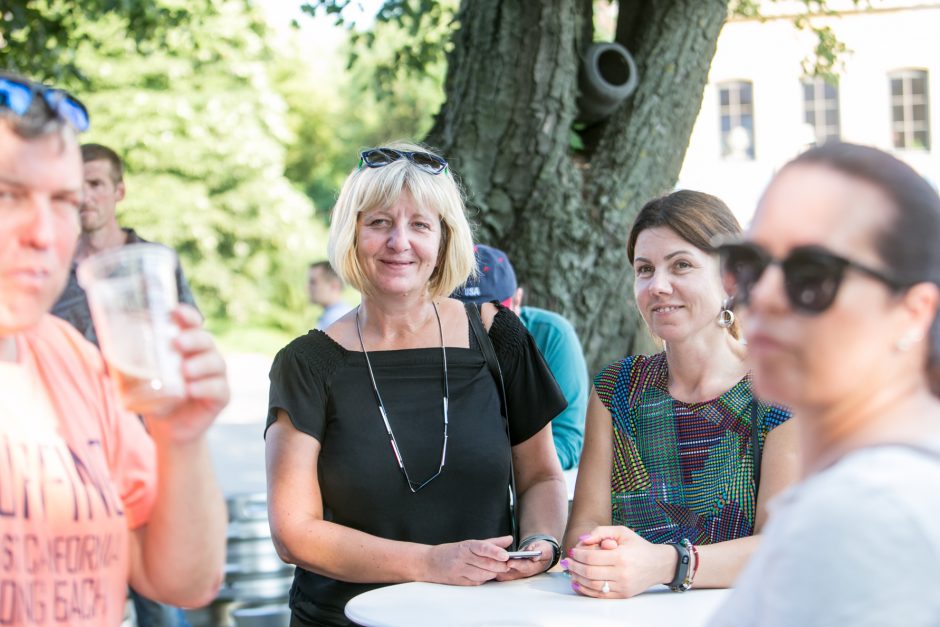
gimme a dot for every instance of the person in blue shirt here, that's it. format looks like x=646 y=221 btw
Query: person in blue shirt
x=555 y=338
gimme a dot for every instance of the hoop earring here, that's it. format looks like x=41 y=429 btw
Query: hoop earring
x=726 y=316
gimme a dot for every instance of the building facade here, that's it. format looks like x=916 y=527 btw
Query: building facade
x=760 y=109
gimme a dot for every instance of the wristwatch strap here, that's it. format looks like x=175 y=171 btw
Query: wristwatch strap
x=678 y=583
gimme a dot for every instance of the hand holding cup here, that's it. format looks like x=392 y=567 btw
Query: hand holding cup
x=163 y=363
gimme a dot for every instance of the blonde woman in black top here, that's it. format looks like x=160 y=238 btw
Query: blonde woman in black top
x=388 y=458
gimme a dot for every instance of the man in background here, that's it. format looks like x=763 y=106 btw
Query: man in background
x=103 y=190
x=325 y=288
x=555 y=338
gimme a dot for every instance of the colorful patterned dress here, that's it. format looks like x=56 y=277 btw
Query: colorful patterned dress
x=681 y=470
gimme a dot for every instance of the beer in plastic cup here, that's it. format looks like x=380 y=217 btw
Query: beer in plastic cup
x=131 y=292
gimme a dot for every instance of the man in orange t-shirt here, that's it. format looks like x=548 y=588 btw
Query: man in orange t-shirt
x=88 y=502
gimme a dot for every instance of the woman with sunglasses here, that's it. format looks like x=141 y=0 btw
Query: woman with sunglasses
x=388 y=457
x=679 y=459
x=838 y=278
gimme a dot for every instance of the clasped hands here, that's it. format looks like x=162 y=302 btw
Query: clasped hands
x=615 y=562
x=472 y=562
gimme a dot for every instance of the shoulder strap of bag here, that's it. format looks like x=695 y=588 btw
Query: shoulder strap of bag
x=489 y=354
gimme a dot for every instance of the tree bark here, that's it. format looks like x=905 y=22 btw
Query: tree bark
x=562 y=215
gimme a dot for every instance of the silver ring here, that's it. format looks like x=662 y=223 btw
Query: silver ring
x=605 y=588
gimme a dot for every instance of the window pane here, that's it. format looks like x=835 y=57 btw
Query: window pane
x=919 y=84
x=897 y=88
x=747 y=121
x=920 y=112
x=809 y=117
x=898 y=139
x=745 y=92
x=921 y=140
x=723 y=96
x=831 y=91
x=809 y=92
x=897 y=113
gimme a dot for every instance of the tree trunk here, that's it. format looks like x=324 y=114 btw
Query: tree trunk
x=563 y=216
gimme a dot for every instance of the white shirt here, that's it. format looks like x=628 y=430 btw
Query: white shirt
x=331 y=314
x=857 y=544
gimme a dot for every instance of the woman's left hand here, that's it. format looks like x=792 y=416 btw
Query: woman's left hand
x=619 y=559
x=527 y=567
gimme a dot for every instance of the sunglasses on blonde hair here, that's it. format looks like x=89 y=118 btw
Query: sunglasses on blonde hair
x=381 y=157
x=812 y=275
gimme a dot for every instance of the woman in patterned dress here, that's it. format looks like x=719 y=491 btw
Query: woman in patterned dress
x=679 y=458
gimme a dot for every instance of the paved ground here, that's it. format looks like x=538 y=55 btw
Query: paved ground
x=236 y=438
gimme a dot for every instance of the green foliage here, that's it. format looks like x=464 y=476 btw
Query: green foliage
x=202 y=128
x=828 y=53
x=334 y=112
x=421 y=36
x=40 y=37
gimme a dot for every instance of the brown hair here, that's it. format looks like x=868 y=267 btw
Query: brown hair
x=98 y=152
x=696 y=217
x=328 y=272
x=908 y=247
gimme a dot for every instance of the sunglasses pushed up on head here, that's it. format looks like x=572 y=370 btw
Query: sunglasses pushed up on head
x=17 y=95
x=381 y=157
x=811 y=274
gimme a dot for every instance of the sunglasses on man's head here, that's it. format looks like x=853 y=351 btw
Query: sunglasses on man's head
x=811 y=274
x=380 y=157
x=17 y=96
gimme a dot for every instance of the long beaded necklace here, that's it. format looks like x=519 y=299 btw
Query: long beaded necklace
x=414 y=486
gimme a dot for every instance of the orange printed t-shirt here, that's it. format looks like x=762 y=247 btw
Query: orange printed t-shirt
x=77 y=472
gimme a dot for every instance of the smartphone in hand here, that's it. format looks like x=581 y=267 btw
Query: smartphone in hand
x=519 y=555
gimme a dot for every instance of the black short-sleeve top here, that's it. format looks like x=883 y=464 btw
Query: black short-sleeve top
x=327 y=392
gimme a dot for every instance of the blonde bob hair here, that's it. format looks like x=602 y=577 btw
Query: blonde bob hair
x=367 y=189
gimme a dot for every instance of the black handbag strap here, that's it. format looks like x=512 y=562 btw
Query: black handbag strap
x=489 y=354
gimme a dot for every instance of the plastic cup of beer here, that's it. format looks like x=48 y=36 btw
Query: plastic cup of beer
x=131 y=292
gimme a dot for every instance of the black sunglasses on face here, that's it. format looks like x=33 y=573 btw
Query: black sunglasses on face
x=811 y=274
x=380 y=157
x=17 y=96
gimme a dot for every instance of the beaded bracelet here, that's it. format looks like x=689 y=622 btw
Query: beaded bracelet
x=556 y=549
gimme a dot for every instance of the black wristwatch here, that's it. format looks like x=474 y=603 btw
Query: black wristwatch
x=556 y=548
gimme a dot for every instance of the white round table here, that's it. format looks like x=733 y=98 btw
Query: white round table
x=544 y=600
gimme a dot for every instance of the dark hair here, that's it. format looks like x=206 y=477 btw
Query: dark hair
x=910 y=246
x=696 y=217
x=98 y=152
x=327 y=269
x=37 y=121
